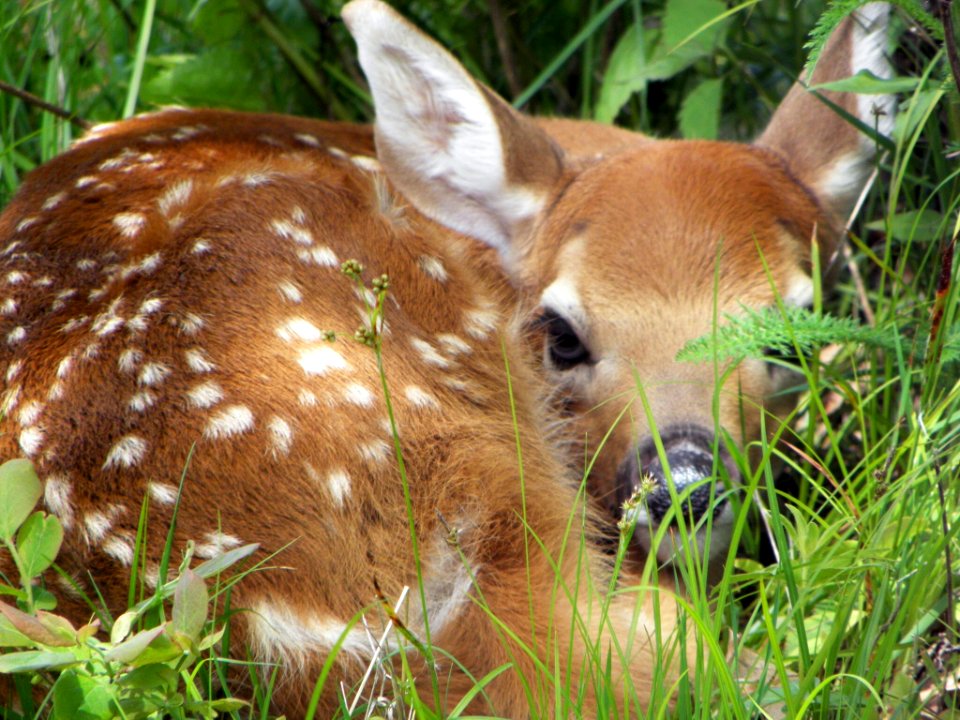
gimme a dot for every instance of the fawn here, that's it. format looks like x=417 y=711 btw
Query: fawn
x=173 y=282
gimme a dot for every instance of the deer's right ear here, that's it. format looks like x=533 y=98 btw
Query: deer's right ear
x=823 y=149
x=458 y=152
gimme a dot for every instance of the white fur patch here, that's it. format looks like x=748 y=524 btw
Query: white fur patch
x=126 y=452
x=205 y=394
x=357 y=394
x=129 y=224
x=162 y=493
x=338 y=482
x=216 y=543
x=299 y=329
x=322 y=360
x=281 y=435
x=232 y=420
x=277 y=630
x=420 y=398
x=57 y=490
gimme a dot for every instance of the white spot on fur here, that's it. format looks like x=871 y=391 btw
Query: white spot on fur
x=205 y=395
x=322 y=256
x=288 y=231
x=191 y=323
x=54 y=200
x=197 y=361
x=298 y=328
x=17 y=335
x=364 y=162
x=97 y=524
x=30 y=413
x=162 y=493
x=433 y=267
x=281 y=435
x=799 y=292
x=56 y=496
x=429 y=354
x=307 y=139
x=357 y=394
x=85 y=264
x=56 y=391
x=322 y=360
x=290 y=292
x=480 y=323
x=376 y=451
x=306 y=398
x=63 y=368
x=176 y=194
x=216 y=543
x=279 y=631
x=338 y=482
x=153 y=374
x=10 y=399
x=420 y=398
x=27 y=222
x=9 y=307
x=15 y=277
x=120 y=548
x=43 y=281
x=129 y=224
x=201 y=246
x=13 y=369
x=126 y=452
x=454 y=344
x=85 y=181
x=128 y=360
x=232 y=420
x=141 y=401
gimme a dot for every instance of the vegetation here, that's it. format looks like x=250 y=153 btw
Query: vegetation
x=858 y=617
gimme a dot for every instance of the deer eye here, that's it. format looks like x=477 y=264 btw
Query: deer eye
x=564 y=346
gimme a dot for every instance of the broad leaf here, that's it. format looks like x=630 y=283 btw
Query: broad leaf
x=80 y=697
x=19 y=492
x=700 y=112
x=190 y=605
x=38 y=543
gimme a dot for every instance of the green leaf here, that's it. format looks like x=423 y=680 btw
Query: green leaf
x=914 y=225
x=132 y=648
x=700 y=112
x=221 y=562
x=755 y=333
x=122 y=625
x=866 y=83
x=150 y=677
x=19 y=492
x=29 y=660
x=225 y=705
x=38 y=543
x=10 y=636
x=691 y=30
x=33 y=627
x=219 y=77
x=624 y=74
x=80 y=697
x=190 y=605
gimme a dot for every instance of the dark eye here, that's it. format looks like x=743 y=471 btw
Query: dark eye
x=564 y=345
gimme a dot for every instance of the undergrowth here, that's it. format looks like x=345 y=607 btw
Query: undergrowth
x=844 y=595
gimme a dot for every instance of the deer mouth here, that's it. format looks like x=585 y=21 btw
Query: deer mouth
x=686 y=489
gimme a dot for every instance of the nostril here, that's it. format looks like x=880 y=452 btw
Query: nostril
x=693 y=477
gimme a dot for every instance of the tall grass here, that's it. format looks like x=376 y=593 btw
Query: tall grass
x=858 y=618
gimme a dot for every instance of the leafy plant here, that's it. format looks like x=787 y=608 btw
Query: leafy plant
x=143 y=670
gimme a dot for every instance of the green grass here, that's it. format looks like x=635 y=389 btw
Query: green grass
x=864 y=517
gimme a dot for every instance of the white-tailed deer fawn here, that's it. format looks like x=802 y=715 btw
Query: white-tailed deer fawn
x=170 y=283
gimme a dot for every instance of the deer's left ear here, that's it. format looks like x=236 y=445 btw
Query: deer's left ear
x=458 y=152
x=825 y=151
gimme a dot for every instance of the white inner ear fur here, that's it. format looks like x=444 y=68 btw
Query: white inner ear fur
x=434 y=122
x=869 y=53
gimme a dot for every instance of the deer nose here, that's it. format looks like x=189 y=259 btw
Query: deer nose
x=691 y=470
x=690 y=464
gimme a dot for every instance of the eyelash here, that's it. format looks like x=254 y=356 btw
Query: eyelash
x=564 y=346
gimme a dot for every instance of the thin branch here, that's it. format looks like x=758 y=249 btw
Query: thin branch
x=32 y=99
x=502 y=36
x=950 y=38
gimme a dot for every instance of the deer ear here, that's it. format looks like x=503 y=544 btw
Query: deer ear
x=458 y=152
x=822 y=148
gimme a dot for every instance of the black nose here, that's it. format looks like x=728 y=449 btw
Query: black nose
x=693 y=465
x=689 y=468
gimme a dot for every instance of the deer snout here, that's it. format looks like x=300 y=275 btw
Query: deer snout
x=690 y=472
